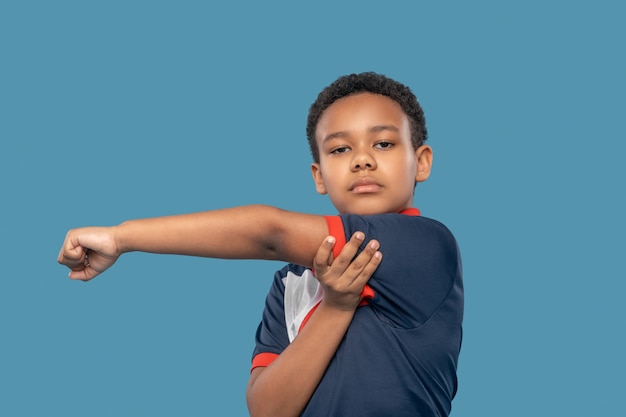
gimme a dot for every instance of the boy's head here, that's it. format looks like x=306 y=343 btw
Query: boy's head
x=366 y=133
x=373 y=83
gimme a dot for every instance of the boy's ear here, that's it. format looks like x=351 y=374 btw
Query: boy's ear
x=320 y=187
x=424 y=155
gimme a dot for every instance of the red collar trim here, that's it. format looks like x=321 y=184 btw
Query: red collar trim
x=413 y=211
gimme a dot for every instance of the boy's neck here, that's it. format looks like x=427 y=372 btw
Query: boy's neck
x=412 y=211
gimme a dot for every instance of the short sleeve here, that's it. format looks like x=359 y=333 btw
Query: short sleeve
x=271 y=335
x=420 y=267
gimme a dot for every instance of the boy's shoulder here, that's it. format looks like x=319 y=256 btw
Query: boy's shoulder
x=390 y=223
x=400 y=235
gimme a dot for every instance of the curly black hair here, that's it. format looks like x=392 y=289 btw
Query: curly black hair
x=373 y=83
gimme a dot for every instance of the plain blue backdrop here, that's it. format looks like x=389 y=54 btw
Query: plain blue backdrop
x=123 y=109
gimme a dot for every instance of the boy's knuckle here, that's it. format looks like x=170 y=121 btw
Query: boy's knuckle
x=358 y=265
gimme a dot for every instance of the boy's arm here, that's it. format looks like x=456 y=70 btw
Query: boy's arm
x=247 y=232
x=283 y=388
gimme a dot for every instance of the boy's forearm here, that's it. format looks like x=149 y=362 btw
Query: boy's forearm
x=287 y=384
x=248 y=232
x=211 y=234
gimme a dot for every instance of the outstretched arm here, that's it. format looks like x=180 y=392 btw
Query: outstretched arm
x=283 y=388
x=247 y=232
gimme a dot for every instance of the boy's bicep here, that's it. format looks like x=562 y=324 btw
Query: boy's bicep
x=300 y=236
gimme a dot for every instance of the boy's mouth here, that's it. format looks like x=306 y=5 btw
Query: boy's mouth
x=364 y=185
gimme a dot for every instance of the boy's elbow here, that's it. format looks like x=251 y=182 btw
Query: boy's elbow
x=257 y=407
x=264 y=401
x=286 y=235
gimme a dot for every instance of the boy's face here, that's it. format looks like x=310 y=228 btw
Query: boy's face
x=367 y=161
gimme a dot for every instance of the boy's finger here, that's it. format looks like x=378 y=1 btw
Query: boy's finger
x=369 y=256
x=82 y=275
x=324 y=255
x=343 y=261
x=71 y=256
x=368 y=270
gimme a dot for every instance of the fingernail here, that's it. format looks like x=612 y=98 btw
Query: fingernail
x=330 y=240
x=359 y=235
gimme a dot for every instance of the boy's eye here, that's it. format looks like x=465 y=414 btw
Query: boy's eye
x=340 y=149
x=383 y=145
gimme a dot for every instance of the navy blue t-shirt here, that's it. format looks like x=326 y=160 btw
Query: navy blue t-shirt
x=399 y=355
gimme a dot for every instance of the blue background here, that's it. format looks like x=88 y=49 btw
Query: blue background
x=116 y=110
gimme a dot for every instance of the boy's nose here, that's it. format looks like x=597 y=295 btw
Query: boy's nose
x=363 y=160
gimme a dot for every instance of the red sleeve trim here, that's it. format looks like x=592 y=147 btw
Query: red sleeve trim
x=263 y=359
x=335 y=228
x=367 y=294
x=413 y=211
x=308 y=316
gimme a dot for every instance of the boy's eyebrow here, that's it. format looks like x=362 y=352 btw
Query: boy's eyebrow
x=373 y=129
x=381 y=128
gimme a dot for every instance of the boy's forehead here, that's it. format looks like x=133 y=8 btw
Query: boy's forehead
x=361 y=111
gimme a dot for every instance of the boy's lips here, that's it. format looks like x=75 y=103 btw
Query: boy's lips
x=365 y=185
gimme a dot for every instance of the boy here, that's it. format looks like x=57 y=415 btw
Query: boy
x=358 y=336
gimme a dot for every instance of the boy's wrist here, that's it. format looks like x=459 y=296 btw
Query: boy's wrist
x=119 y=236
x=336 y=308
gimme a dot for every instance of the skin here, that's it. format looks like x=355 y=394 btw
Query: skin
x=367 y=166
x=367 y=161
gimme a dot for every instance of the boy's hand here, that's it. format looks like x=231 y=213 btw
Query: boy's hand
x=88 y=252
x=343 y=278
